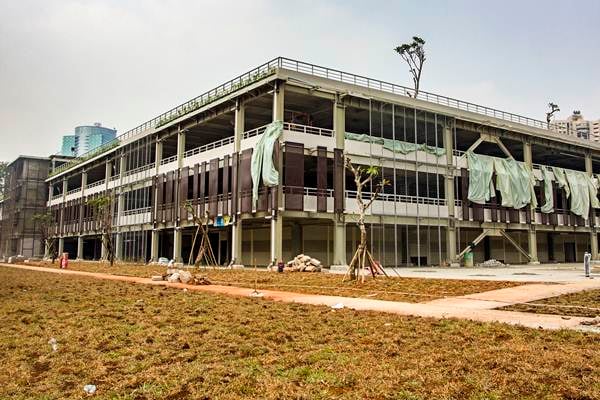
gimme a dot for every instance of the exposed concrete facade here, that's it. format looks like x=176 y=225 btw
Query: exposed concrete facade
x=199 y=153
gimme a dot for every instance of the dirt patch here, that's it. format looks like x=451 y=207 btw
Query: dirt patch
x=197 y=345
x=393 y=288
x=580 y=304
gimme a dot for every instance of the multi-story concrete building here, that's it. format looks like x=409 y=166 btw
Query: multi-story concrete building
x=67 y=147
x=577 y=125
x=201 y=152
x=25 y=194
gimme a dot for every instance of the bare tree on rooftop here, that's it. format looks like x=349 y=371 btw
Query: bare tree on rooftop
x=553 y=109
x=414 y=55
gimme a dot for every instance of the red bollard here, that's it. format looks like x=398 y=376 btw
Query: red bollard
x=64 y=260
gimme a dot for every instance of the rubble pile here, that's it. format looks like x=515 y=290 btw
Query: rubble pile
x=491 y=263
x=174 y=275
x=303 y=263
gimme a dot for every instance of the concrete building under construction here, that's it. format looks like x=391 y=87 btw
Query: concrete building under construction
x=201 y=152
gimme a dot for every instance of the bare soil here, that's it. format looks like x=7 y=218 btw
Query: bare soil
x=146 y=342
x=580 y=304
x=393 y=288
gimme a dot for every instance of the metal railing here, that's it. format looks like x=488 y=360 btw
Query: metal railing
x=168 y=160
x=209 y=146
x=97 y=183
x=270 y=68
x=136 y=211
x=254 y=75
x=399 y=198
x=140 y=169
x=345 y=77
x=72 y=191
x=312 y=130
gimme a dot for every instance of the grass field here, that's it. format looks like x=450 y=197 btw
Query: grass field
x=145 y=342
x=393 y=288
x=581 y=304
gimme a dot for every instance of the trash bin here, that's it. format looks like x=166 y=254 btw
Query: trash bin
x=468 y=259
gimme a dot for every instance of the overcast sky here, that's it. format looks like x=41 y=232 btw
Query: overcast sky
x=119 y=62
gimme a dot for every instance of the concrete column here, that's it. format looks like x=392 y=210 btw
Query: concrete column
x=339 y=264
x=61 y=246
x=180 y=148
x=177 y=245
x=122 y=166
x=158 y=154
x=339 y=247
x=236 y=229
x=276 y=240
x=450 y=197
x=531 y=234
x=107 y=173
x=119 y=246
x=236 y=245
x=103 y=250
x=154 y=245
x=239 y=125
x=296 y=242
x=276 y=218
x=83 y=182
x=80 y=247
x=593 y=231
x=65 y=187
x=50 y=187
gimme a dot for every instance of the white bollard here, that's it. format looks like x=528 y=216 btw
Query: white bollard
x=586 y=263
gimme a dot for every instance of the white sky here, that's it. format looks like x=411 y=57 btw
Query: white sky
x=69 y=63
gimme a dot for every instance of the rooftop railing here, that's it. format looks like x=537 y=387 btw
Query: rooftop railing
x=270 y=68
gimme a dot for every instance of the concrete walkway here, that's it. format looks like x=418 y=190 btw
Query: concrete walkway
x=476 y=307
x=558 y=273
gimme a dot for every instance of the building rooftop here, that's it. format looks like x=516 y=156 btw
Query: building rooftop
x=282 y=64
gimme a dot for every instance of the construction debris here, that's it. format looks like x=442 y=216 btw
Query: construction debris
x=175 y=275
x=491 y=263
x=303 y=263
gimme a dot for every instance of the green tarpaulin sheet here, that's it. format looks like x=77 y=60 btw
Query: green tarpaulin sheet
x=583 y=193
x=514 y=181
x=481 y=168
x=548 y=206
x=559 y=175
x=262 y=159
x=396 y=146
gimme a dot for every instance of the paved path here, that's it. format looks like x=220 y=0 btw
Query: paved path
x=466 y=307
x=559 y=273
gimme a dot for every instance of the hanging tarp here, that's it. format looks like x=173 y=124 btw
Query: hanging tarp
x=548 y=206
x=396 y=146
x=584 y=192
x=561 y=179
x=513 y=180
x=580 y=197
x=481 y=168
x=261 y=165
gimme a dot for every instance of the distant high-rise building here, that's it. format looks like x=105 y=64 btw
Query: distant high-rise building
x=577 y=125
x=86 y=138
x=68 y=145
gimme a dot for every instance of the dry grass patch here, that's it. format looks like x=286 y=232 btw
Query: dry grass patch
x=146 y=342
x=580 y=304
x=393 y=288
